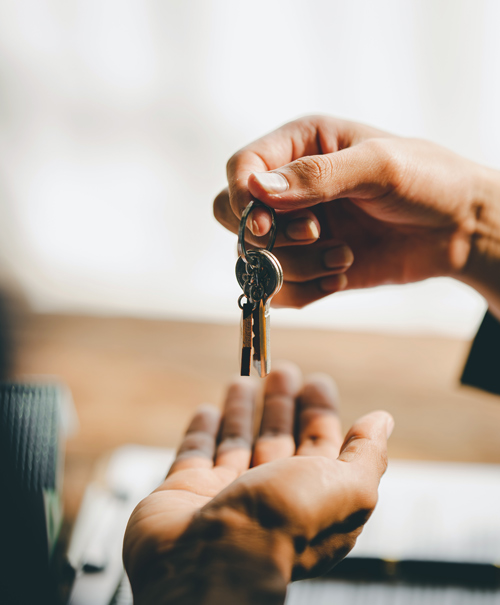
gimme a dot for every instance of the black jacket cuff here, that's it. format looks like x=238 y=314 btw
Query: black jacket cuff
x=482 y=368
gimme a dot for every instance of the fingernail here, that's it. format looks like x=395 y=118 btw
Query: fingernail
x=390 y=426
x=334 y=283
x=272 y=182
x=254 y=228
x=302 y=229
x=340 y=256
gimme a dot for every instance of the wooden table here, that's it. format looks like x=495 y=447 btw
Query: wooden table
x=139 y=381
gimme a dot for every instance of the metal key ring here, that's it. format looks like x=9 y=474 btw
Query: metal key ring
x=240 y=304
x=242 y=251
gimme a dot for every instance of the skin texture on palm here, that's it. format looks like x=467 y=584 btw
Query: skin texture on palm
x=366 y=208
x=238 y=517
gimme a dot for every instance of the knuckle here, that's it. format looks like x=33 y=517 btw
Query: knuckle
x=390 y=164
x=219 y=203
x=380 y=148
x=232 y=162
x=315 y=168
x=239 y=391
x=195 y=442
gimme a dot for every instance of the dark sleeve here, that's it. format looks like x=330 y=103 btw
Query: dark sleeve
x=482 y=368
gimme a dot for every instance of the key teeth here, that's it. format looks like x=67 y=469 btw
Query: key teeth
x=246 y=339
x=260 y=359
x=256 y=343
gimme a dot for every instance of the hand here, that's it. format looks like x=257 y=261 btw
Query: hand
x=372 y=207
x=232 y=525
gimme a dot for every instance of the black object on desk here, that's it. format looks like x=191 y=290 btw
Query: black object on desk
x=30 y=480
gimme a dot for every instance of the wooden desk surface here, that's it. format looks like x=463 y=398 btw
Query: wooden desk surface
x=139 y=381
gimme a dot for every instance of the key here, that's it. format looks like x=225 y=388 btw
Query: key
x=246 y=338
x=261 y=339
x=261 y=277
x=272 y=280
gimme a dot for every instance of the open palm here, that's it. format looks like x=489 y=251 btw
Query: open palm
x=295 y=502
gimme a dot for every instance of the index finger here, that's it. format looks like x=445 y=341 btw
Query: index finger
x=306 y=136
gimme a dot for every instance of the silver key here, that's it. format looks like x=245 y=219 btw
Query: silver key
x=260 y=276
x=262 y=339
x=261 y=316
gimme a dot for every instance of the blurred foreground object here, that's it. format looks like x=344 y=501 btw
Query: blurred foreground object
x=95 y=551
x=33 y=423
x=6 y=341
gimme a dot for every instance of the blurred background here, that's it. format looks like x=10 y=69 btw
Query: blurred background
x=117 y=118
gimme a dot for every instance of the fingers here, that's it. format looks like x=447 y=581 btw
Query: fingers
x=271 y=151
x=360 y=170
x=257 y=170
x=198 y=446
x=298 y=295
x=319 y=431
x=308 y=136
x=301 y=227
x=316 y=261
x=236 y=434
x=276 y=437
x=365 y=445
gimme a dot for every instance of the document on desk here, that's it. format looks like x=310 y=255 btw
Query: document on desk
x=334 y=592
x=437 y=511
x=427 y=511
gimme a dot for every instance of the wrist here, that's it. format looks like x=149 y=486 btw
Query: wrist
x=482 y=269
x=222 y=557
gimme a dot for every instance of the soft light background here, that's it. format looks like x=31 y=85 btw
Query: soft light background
x=117 y=118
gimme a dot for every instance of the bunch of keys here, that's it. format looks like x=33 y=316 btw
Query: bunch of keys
x=260 y=276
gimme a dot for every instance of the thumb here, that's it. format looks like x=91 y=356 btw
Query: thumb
x=365 y=444
x=361 y=170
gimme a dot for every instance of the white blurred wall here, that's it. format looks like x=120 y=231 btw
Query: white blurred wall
x=117 y=118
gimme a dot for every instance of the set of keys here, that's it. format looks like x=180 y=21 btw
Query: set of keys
x=260 y=276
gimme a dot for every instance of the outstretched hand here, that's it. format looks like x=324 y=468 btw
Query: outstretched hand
x=237 y=518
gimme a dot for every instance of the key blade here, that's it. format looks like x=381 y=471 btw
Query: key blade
x=265 y=339
x=262 y=326
x=256 y=332
x=246 y=339
x=256 y=339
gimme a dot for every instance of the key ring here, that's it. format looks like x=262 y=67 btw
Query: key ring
x=240 y=304
x=242 y=251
